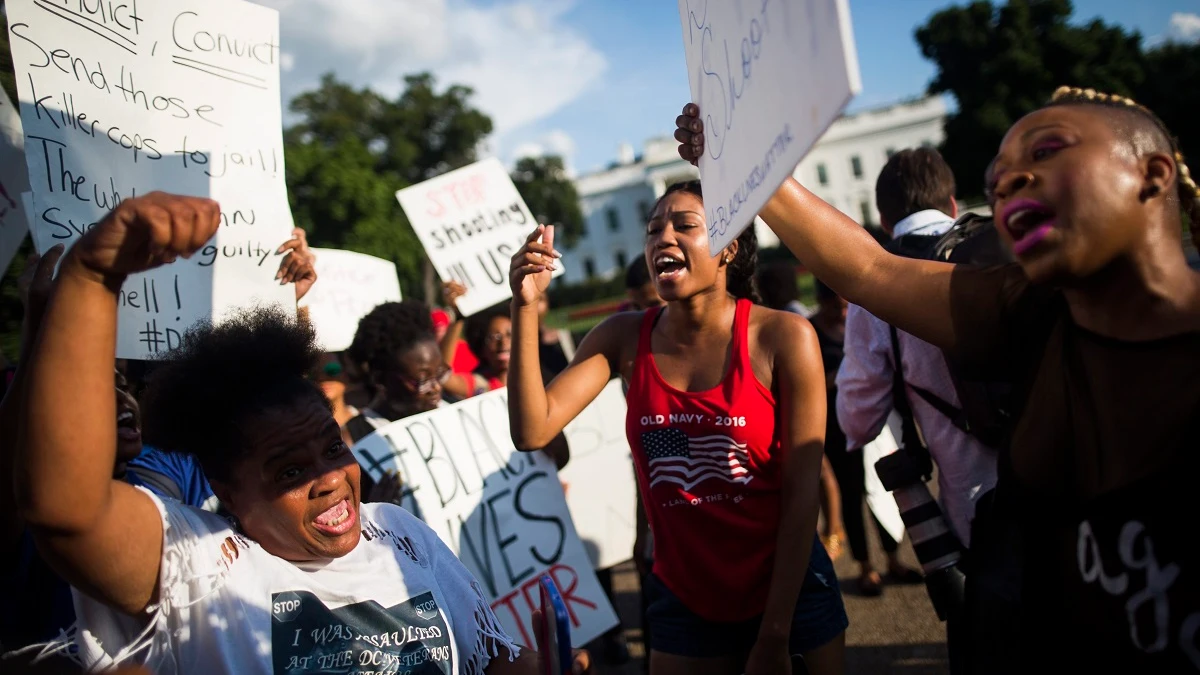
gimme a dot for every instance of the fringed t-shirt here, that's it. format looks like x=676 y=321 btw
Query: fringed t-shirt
x=400 y=602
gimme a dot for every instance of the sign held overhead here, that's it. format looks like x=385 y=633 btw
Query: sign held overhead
x=471 y=221
x=770 y=76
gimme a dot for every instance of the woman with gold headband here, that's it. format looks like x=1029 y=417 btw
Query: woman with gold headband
x=1098 y=326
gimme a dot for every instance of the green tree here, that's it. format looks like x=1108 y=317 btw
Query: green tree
x=1172 y=90
x=1001 y=62
x=551 y=196
x=353 y=149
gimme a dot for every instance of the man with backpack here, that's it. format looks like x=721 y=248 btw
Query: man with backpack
x=915 y=194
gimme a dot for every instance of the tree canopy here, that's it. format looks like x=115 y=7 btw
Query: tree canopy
x=1002 y=61
x=551 y=196
x=352 y=149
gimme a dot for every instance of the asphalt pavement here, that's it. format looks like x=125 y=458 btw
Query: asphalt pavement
x=897 y=633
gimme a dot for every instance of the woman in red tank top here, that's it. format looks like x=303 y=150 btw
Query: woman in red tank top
x=726 y=422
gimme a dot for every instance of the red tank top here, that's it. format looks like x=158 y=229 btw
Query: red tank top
x=708 y=466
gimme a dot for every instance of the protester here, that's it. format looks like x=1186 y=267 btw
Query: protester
x=27 y=579
x=740 y=582
x=915 y=194
x=166 y=583
x=639 y=287
x=330 y=376
x=489 y=335
x=1097 y=325
x=780 y=291
x=395 y=346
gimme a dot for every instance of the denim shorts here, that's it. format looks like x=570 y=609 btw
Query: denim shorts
x=819 y=618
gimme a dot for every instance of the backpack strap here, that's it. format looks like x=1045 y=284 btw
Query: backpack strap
x=956 y=416
x=911 y=440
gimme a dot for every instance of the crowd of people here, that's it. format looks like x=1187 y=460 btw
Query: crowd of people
x=193 y=501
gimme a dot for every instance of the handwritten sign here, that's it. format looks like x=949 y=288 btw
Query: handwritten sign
x=14 y=180
x=349 y=285
x=501 y=511
x=770 y=76
x=120 y=99
x=600 y=484
x=471 y=222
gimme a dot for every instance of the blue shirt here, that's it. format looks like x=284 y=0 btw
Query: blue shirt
x=45 y=599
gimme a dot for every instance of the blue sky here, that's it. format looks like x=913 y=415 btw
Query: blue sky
x=579 y=77
x=646 y=82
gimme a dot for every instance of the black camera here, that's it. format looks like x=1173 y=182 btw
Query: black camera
x=904 y=474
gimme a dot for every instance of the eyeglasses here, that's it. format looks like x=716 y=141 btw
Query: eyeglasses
x=497 y=339
x=428 y=384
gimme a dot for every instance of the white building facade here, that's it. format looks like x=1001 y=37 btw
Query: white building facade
x=841 y=169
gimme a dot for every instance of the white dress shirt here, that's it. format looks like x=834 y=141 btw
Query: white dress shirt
x=966 y=468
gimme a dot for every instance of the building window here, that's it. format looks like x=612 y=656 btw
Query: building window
x=822 y=175
x=867 y=214
x=644 y=209
x=589 y=267
x=856 y=166
x=890 y=152
x=619 y=256
x=614 y=220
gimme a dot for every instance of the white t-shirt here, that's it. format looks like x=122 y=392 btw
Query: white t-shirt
x=400 y=602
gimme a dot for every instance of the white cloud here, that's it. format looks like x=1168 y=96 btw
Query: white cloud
x=553 y=142
x=521 y=58
x=1184 y=28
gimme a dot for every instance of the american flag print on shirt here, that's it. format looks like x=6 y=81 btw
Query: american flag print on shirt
x=688 y=461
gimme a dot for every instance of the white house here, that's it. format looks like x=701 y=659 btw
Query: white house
x=841 y=169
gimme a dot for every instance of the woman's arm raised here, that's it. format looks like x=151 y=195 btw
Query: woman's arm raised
x=913 y=295
x=537 y=413
x=101 y=535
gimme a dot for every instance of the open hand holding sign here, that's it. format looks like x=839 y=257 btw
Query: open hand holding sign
x=299 y=264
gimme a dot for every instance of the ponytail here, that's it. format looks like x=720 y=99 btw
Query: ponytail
x=739 y=272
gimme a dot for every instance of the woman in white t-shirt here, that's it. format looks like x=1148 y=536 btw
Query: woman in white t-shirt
x=308 y=579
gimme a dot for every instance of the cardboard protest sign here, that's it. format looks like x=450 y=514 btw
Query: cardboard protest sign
x=14 y=180
x=770 y=76
x=349 y=285
x=471 y=222
x=501 y=511
x=599 y=480
x=123 y=99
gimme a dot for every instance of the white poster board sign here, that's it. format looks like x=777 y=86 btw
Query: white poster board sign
x=599 y=480
x=123 y=99
x=14 y=180
x=770 y=76
x=471 y=221
x=349 y=285
x=501 y=511
x=881 y=502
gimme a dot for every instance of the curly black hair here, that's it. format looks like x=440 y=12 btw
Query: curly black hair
x=205 y=391
x=476 y=330
x=739 y=278
x=388 y=331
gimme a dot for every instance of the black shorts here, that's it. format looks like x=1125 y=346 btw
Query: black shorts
x=819 y=618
